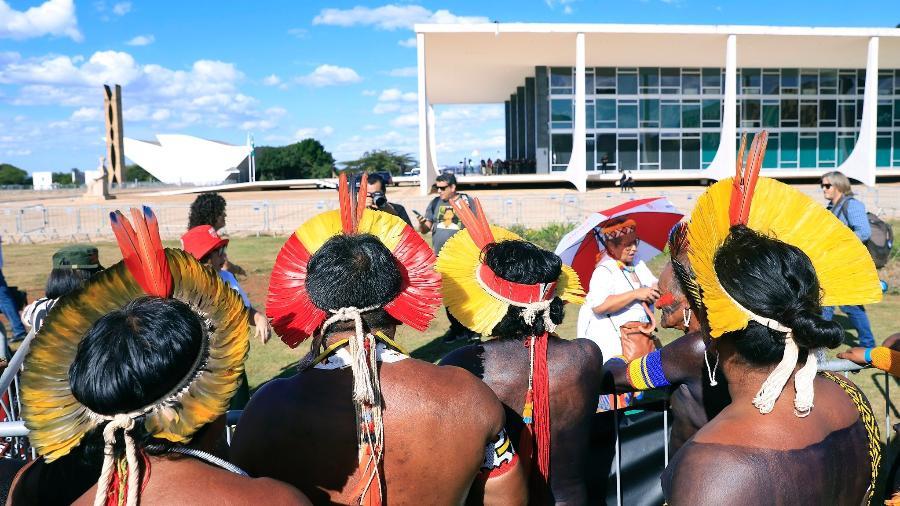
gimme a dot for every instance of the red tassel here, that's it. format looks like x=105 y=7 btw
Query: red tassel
x=542 y=407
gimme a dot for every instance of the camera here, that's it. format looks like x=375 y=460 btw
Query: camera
x=379 y=199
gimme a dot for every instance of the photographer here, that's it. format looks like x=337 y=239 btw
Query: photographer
x=376 y=199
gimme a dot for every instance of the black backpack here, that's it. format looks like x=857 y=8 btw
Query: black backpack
x=881 y=242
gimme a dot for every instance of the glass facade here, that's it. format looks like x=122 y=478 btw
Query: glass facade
x=671 y=118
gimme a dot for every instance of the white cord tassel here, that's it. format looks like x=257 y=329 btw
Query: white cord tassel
x=531 y=311
x=774 y=384
x=803 y=384
x=126 y=423
x=711 y=372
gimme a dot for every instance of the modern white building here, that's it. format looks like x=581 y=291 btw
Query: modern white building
x=669 y=102
x=183 y=159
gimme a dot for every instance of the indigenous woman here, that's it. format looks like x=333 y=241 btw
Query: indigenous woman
x=128 y=380
x=620 y=293
x=765 y=264
x=498 y=285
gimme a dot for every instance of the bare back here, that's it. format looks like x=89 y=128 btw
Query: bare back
x=437 y=422
x=744 y=457
x=575 y=369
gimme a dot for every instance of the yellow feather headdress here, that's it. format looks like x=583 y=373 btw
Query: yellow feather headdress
x=58 y=421
x=460 y=261
x=845 y=271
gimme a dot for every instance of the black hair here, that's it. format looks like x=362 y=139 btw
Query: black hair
x=376 y=178
x=523 y=262
x=447 y=177
x=354 y=270
x=206 y=209
x=132 y=357
x=63 y=281
x=775 y=280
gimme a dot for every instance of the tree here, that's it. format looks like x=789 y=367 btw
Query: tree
x=10 y=174
x=379 y=160
x=302 y=160
x=134 y=172
x=62 y=177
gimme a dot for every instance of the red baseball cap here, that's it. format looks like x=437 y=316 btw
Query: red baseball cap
x=200 y=240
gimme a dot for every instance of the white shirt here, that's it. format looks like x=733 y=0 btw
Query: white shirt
x=603 y=329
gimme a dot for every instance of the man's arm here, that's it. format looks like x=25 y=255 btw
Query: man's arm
x=858 y=221
x=676 y=363
x=502 y=480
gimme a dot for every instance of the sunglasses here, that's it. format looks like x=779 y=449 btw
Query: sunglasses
x=825 y=185
x=442 y=188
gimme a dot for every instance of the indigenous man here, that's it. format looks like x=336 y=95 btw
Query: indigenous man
x=682 y=364
x=362 y=422
x=499 y=285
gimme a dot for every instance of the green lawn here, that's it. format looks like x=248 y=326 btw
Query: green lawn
x=27 y=265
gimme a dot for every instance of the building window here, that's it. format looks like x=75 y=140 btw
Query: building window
x=627 y=82
x=828 y=82
x=670 y=81
x=649 y=151
x=690 y=153
x=606 y=113
x=885 y=82
x=606 y=146
x=671 y=114
x=690 y=114
x=790 y=81
x=712 y=81
x=561 y=81
x=770 y=160
x=788 y=152
x=847 y=82
x=883 y=150
x=628 y=114
x=885 y=115
x=561 y=146
x=808 y=114
x=628 y=154
x=751 y=113
x=770 y=82
x=649 y=113
x=710 y=145
x=605 y=81
x=712 y=113
x=827 y=148
x=670 y=154
x=809 y=82
x=561 y=113
x=690 y=82
x=790 y=113
x=750 y=81
x=808 y=152
x=847 y=114
x=770 y=114
x=649 y=80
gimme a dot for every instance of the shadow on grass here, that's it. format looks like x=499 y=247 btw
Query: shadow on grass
x=849 y=338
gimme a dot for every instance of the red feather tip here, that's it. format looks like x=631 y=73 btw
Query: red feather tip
x=360 y=200
x=142 y=251
x=347 y=221
x=478 y=226
x=745 y=180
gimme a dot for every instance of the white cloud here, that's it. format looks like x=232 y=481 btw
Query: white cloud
x=410 y=42
x=369 y=93
x=300 y=33
x=142 y=40
x=406 y=120
x=86 y=114
x=369 y=128
x=394 y=95
x=272 y=80
x=565 y=4
x=18 y=152
x=121 y=8
x=53 y=17
x=206 y=93
x=313 y=132
x=260 y=125
x=330 y=75
x=390 y=17
x=384 y=108
x=404 y=72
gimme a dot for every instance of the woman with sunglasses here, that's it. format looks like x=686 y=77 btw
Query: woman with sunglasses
x=836 y=190
x=620 y=291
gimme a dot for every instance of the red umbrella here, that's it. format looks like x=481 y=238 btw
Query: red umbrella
x=654 y=217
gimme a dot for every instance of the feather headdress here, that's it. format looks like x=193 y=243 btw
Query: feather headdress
x=479 y=299
x=844 y=268
x=58 y=421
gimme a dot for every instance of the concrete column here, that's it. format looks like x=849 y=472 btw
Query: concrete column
x=530 y=130
x=508 y=110
x=860 y=165
x=723 y=165
x=576 y=172
x=542 y=119
x=427 y=163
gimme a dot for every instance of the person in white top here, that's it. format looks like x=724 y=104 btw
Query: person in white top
x=620 y=290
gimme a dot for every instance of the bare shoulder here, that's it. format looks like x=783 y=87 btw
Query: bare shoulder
x=460 y=389
x=711 y=474
x=270 y=491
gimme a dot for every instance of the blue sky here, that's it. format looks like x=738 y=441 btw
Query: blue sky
x=342 y=72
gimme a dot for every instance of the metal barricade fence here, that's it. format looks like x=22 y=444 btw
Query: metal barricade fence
x=45 y=223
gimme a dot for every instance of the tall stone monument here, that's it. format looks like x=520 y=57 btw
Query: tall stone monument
x=115 y=144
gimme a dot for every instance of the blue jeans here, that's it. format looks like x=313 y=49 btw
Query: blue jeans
x=8 y=306
x=858 y=320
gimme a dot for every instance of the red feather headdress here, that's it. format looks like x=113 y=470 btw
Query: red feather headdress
x=295 y=317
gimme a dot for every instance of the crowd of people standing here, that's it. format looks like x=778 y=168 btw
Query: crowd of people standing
x=150 y=354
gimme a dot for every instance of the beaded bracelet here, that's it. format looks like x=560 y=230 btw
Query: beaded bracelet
x=647 y=372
